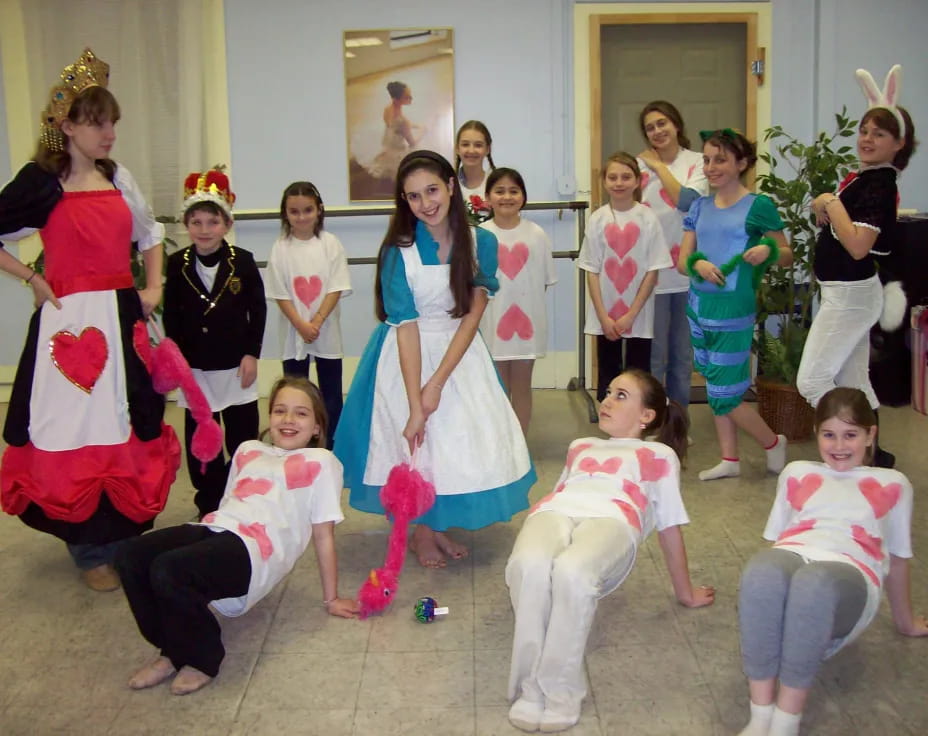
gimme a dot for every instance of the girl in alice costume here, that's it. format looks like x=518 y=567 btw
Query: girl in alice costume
x=89 y=458
x=426 y=380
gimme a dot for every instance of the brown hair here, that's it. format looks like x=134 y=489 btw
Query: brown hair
x=849 y=405
x=626 y=159
x=671 y=113
x=301 y=189
x=735 y=143
x=402 y=231
x=670 y=420
x=315 y=399
x=884 y=119
x=505 y=173
x=207 y=206
x=94 y=105
x=484 y=131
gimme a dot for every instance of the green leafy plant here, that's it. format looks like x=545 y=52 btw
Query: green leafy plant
x=798 y=172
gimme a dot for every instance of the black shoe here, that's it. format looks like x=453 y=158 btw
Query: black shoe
x=883 y=458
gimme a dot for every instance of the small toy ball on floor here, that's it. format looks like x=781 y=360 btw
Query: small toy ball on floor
x=426 y=609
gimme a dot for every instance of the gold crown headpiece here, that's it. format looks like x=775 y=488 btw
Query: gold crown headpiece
x=209 y=186
x=87 y=71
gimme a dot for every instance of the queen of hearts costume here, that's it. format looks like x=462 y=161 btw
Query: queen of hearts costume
x=89 y=458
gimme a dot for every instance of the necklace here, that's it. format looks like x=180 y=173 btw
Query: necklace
x=211 y=303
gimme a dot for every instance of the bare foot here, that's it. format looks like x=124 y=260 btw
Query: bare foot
x=424 y=546
x=189 y=680
x=446 y=544
x=152 y=674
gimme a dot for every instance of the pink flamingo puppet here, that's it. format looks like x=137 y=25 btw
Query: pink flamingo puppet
x=405 y=496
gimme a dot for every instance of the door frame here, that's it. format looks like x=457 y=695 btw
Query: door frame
x=597 y=21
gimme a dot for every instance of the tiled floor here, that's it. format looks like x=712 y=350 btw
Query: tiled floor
x=654 y=667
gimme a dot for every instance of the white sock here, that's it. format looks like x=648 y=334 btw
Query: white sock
x=725 y=469
x=784 y=724
x=526 y=714
x=759 y=725
x=776 y=455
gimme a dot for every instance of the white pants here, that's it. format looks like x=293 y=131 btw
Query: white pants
x=837 y=350
x=558 y=570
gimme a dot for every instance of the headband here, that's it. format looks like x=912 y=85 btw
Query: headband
x=888 y=97
x=430 y=155
x=730 y=133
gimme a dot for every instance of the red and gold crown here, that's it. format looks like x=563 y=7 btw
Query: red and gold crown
x=209 y=186
x=87 y=71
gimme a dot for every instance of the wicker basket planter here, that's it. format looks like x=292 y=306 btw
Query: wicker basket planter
x=784 y=409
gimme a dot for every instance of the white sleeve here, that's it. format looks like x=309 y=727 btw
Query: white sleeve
x=145 y=229
x=339 y=277
x=593 y=247
x=899 y=536
x=696 y=178
x=275 y=286
x=668 y=504
x=327 y=489
x=548 y=249
x=781 y=511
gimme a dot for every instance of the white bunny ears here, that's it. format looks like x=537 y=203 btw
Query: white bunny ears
x=888 y=98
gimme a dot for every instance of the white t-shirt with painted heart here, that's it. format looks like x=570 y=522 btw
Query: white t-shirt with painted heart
x=272 y=499
x=515 y=323
x=859 y=517
x=622 y=247
x=305 y=272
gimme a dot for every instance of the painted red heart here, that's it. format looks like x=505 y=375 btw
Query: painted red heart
x=631 y=513
x=307 y=289
x=576 y=450
x=512 y=259
x=243 y=458
x=634 y=493
x=652 y=467
x=619 y=309
x=300 y=472
x=209 y=518
x=80 y=359
x=258 y=532
x=610 y=466
x=865 y=570
x=798 y=491
x=621 y=274
x=666 y=197
x=142 y=343
x=645 y=178
x=251 y=487
x=873 y=546
x=675 y=254
x=515 y=322
x=545 y=499
x=689 y=172
x=881 y=498
x=802 y=526
x=621 y=239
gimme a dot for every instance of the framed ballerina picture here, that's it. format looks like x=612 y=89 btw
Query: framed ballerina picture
x=399 y=96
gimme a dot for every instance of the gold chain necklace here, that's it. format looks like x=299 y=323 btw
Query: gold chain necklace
x=199 y=292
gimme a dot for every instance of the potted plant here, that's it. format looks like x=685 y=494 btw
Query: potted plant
x=798 y=172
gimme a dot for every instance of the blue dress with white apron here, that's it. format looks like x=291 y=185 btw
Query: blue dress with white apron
x=474 y=450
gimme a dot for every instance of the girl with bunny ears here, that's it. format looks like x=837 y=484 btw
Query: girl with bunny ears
x=858 y=225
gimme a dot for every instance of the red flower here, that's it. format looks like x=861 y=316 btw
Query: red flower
x=478 y=203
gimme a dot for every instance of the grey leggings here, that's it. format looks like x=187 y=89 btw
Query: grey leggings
x=790 y=611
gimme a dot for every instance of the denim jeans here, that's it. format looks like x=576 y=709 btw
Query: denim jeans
x=671 y=348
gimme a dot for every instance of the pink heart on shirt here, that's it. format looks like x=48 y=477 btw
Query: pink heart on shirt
x=881 y=498
x=621 y=274
x=515 y=322
x=300 y=472
x=251 y=487
x=802 y=526
x=631 y=514
x=547 y=498
x=243 y=458
x=645 y=178
x=576 y=450
x=652 y=467
x=666 y=197
x=258 y=532
x=675 y=254
x=633 y=491
x=512 y=259
x=865 y=570
x=619 y=309
x=610 y=466
x=798 y=491
x=621 y=239
x=689 y=172
x=307 y=289
x=209 y=518
x=873 y=546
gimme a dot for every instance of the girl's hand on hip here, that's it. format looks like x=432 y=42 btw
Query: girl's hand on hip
x=42 y=292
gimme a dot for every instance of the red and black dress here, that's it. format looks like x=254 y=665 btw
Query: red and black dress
x=89 y=458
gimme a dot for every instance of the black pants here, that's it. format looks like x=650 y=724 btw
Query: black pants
x=329 y=372
x=241 y=424
x=170 y=576
x=610 y=362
